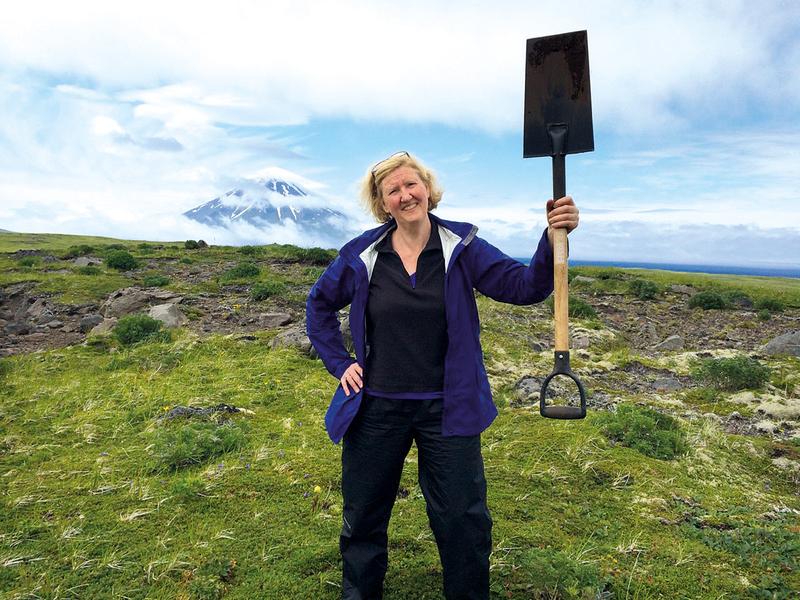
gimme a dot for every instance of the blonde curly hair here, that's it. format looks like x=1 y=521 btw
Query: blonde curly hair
x=371 y=183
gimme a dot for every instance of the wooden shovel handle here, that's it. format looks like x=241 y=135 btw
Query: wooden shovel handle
x=560 y=289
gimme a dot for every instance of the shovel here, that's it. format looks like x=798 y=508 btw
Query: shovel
x=558 y=121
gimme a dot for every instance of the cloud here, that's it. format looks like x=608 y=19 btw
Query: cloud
x=289 y=62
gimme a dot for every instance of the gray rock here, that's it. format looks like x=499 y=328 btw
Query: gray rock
x=131 y=300
x=87 y=261
x=788 y=343
x=54 y=324
x=527 y=390
x=89 y=322
x=169 y=314
x=344 y=328
x=650 y=333
x=294 y=338
x=17 y=328
x=667 y=384
x=36 y=309
x=104 y=327
x=45 y=317
x=580 y=342
x=536 y=345
x=682 y=289
x=673 y=342
x=583 y=279
x=269 y=320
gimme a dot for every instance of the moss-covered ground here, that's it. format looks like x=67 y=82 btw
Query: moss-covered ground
x=93 y=505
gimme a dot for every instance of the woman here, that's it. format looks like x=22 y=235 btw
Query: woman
x=418 y=373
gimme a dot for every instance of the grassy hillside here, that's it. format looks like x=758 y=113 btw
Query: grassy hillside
x=103 y=496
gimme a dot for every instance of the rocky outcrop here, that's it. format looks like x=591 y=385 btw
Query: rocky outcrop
x=130 y=300
x=786 y=344
x=673 y=342
x=294 y=337
x=169 y=314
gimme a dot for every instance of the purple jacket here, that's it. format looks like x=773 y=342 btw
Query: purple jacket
x=470 y=263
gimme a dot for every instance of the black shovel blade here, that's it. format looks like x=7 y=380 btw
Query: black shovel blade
x=557 y=92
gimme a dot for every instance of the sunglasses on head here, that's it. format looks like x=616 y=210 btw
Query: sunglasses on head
x=380 y=162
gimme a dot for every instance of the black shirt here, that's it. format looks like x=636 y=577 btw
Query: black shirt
x=406 y=321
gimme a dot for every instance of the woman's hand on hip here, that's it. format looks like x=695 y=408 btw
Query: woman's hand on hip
x=352 y=378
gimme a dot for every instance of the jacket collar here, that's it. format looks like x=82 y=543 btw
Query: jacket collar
x=464 y=232
x=453 y=234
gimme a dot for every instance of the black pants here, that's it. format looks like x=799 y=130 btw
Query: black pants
x=451 y=478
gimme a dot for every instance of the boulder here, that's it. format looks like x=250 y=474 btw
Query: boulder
x=87 y=261
x=169 y=314
x=580 y=342
x=294 y=338
x=89 y=322
x=104 y=327
x=673 y=342
x=788 y=343
x=36 y=309
x=131 y=300
x=682 y=289
x=667 y=384
x=17 y=328
x=270 y=320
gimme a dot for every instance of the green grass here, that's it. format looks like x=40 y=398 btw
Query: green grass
x=102 y=497
x=84 y=508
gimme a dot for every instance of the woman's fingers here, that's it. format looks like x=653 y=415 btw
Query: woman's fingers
x=352 y=378
x=562 y=213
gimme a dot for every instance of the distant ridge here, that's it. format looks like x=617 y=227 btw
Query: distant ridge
x=788 y=271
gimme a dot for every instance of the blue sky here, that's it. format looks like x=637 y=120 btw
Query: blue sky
x=115 y=118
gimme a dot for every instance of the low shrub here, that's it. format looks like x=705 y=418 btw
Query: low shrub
x=76 y=251
x=578 y=308
x=29 y=261
x=265 y=289
x=732 y=374
x=737 y=298
x=559 y=575
x=643 y=289
x=650 y=432
x=196 y=442
x=187 y=488
x=251 y=250
x=186 y=260
x=155 y=281
x=609 y=274
x=122 y=260
x=764 y=315
x=89 y=270
x=191 y=245
x=317 y=256
x=707 y=300
x=132 y=329
x=244 y=270
x=770 y=304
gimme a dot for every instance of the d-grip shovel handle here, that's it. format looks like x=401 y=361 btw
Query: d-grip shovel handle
x=561 y=367
x=558 y=135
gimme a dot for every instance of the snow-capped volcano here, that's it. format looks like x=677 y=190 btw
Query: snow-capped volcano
x=267 y=201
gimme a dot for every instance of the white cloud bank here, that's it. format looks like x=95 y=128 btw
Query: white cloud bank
x=114 y=118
